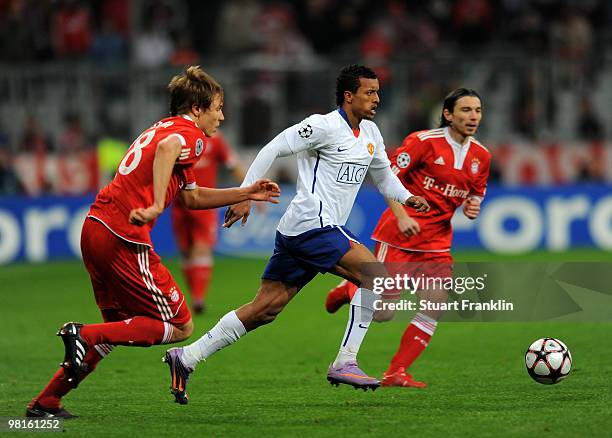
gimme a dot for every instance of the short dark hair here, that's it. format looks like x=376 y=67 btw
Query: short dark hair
x=451 y=100
x=348 y=80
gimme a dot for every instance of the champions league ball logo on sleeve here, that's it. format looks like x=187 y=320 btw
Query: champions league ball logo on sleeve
x=199 y=147
x=403 y=160
x=305 y=131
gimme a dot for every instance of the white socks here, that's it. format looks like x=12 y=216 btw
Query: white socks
x=227 y=331
x=360 y=316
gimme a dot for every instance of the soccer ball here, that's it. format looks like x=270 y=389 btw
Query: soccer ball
x=548 y=361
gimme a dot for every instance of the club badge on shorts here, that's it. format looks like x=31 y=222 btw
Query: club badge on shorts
x=174 y=295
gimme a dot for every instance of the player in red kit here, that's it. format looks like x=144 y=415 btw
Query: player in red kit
x=140 y=302
x=449 y=168
x=196 y=231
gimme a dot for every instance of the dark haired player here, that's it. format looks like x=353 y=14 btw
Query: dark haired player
x=334 y=152
x=449 y=167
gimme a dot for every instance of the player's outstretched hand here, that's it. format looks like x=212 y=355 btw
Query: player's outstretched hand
x=471 y=208
x=140 y=216
x=236 y=212
x=408 y=226
x=418 y=203
x=264 y=190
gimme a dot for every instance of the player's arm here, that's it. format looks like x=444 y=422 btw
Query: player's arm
x=407 y=225
x=291 y=141
x=166 y=154
x=202 y=198
x=471 y=207
x=391 y=187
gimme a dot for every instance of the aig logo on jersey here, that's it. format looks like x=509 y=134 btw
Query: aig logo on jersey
x=351 y=173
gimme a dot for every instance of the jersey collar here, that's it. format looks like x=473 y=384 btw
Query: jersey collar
x=345 y=117
x=186 y=117
x=452 y=141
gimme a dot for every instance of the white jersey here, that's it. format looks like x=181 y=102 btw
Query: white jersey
x=332 y=164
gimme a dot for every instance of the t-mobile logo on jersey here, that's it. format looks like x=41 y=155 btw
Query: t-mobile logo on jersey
x=449 y=190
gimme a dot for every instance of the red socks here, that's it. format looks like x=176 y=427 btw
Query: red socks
x=139 y=331
x=51 y=396
x=413 y=343
x=198 y=277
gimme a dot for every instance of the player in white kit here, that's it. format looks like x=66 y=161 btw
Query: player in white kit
x=334 y=153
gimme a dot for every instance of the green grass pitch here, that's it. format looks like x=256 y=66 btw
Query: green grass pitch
x=272 y=382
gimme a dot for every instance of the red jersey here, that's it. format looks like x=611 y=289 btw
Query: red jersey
x=132 y=186
x=217 y=152
x=432 y=165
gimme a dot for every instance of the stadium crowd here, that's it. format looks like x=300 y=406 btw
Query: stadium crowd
x=427 y=39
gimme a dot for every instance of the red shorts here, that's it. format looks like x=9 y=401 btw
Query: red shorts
x=128 y=279
x=415 y=263
x=194 y=226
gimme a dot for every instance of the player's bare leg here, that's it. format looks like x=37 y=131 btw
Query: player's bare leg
x=359 y=266
x=271 y=299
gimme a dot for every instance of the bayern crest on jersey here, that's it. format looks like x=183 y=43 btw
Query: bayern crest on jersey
x=174 y=295
x=199 y=147
x=475 y=166
x=403 y=160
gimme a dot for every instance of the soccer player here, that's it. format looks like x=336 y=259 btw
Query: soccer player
x=139 y=300
x=196 y=230
x=450 y=168
x=334 y=152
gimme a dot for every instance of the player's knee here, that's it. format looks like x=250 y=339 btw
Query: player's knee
x=383 y=315
x=183 y=332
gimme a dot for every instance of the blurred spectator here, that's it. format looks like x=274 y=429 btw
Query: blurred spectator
x=73 y=139
x=33 y=139
x=589 y=127
x=529 y=30
x=153 y=47
x=571 y=35
x=473 y=21
x=72 y=29
x=316 y=20
x=117 y=12
x=236 y=25
x=376 y=48
x=15 y=37
x=280 y=38
x=184 y=54
x=109 y=45
x=35 y=144
x=9 y=183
